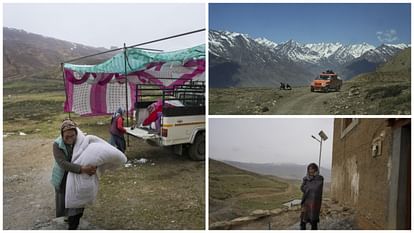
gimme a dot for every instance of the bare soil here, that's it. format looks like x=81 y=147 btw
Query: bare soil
x=166 y=192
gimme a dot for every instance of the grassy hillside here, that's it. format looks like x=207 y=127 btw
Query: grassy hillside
x=234 y=192
x=41 y=115
x=285 y=170
x=398 y=69
x=401 y=62
x=386 y=91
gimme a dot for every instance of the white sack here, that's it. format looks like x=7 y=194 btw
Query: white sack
x=81 y=189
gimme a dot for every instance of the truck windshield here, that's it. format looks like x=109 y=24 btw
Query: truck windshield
x=323 y=77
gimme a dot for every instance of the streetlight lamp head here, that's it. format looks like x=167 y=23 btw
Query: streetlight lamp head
x=323 y=135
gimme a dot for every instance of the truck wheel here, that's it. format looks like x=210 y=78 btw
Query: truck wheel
x=197 y=150
x=312 y=90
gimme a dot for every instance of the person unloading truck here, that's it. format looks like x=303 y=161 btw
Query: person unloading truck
x=117 y=130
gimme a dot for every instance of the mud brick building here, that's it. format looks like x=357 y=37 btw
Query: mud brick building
x=371 y=170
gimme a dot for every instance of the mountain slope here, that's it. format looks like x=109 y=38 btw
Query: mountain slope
x=372 y=59
x=27 y=54
x=234 y=192
x=386 y=91
x=236 y=59
x=398 y=68
x=287 y=171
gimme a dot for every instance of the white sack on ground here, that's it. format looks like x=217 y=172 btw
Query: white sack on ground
x=81 y=189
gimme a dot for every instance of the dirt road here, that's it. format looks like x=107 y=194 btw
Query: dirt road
x=267 y=101
x=166 y=192
x=302 y=101
x=28 y=197
x=354 y=98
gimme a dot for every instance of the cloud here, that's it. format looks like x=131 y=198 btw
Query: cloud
x=387 y=35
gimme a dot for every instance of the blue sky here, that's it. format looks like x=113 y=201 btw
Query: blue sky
x=312 y=23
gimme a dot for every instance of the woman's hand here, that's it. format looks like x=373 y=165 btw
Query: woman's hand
x=90 y=170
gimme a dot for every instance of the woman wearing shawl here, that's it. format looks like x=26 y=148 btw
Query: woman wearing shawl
x=311 y=188
x=62 y=152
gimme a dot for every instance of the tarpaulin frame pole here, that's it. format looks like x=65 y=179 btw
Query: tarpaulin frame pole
x=108 y=51
x=64 y=82
x=126 y=90
x=133 y=46
x=167 y=38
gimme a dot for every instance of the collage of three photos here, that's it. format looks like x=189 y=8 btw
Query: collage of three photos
x=206 y=116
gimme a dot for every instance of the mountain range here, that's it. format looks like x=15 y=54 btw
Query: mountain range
x=235 y=59
x=28 y=54
x=287 y=171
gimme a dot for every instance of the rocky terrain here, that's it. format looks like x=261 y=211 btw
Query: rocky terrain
x=333 y=217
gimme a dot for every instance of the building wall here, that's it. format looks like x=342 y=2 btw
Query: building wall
x=359 y=179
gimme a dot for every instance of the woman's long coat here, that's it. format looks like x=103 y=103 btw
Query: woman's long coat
x=311 y=187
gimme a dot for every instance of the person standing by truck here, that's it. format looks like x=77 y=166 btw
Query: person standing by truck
x=117 y=130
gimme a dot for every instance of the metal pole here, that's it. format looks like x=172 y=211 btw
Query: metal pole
x=167 y=38
x=126 y=90
x=64 y=82
x=320 y=153
x=108 y=51
x=132 y=46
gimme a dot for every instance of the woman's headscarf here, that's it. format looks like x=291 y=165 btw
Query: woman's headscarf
x=67 y=124
x=315 y=167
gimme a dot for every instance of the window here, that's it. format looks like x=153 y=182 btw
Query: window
x=347 y=124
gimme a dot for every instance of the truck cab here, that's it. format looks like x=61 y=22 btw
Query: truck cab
x=326 y=81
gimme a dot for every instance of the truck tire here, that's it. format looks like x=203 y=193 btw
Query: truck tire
x=312 y=90
x=197 y=150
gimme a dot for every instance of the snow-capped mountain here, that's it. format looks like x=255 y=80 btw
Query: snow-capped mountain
x=371 y=59
x=237 y=59
x=287 y=58
x=383 y=53
x=266 y=42
x=295 y=51
x=346 y=53
x=324 y=49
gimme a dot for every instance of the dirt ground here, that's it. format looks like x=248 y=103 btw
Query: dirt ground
x=166 y=192
x=333 y=217
x=364 y=98
x=269 y=101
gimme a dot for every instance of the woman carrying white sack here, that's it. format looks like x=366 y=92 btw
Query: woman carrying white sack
x=77 y=160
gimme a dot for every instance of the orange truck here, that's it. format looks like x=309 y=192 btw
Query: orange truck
x=326 y=81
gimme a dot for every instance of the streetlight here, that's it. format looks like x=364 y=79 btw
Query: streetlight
x=323 y=138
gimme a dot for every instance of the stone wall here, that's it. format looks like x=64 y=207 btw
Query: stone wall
x=359 y=179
